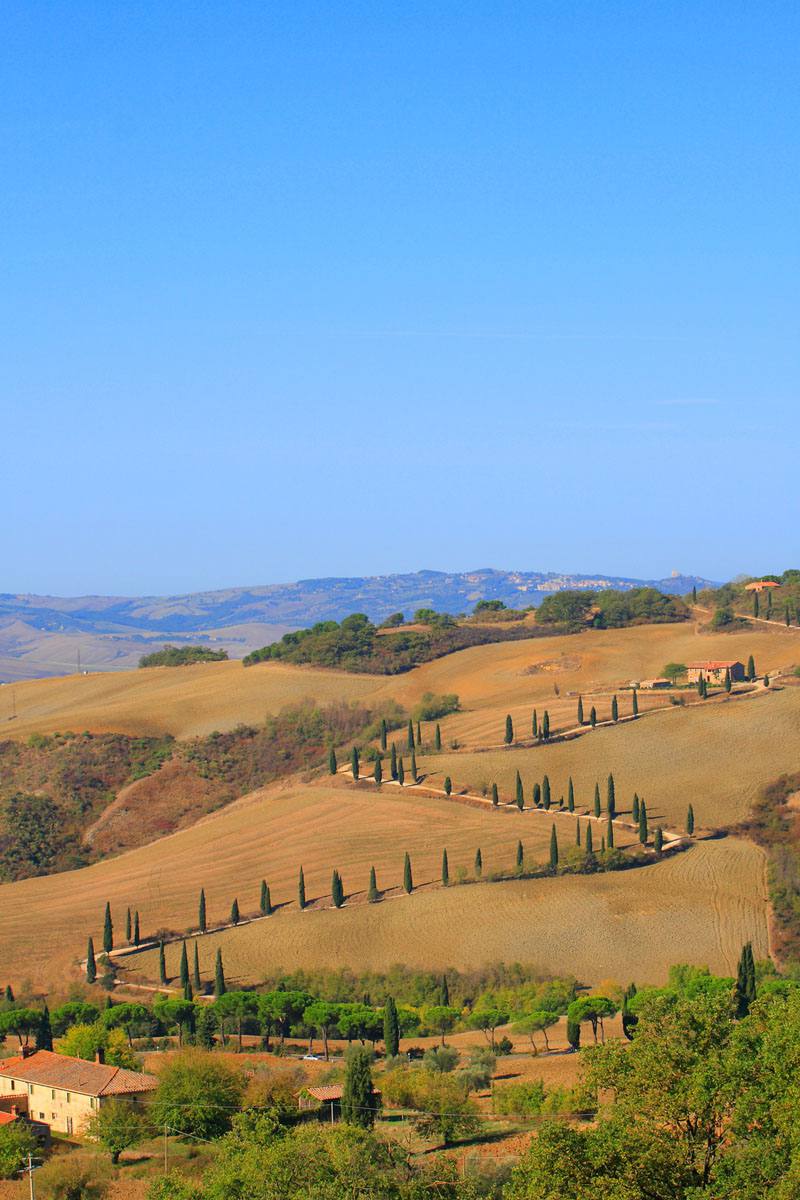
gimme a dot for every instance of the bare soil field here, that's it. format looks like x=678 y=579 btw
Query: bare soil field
x=697 y=907
x=268 y=835
x=715 y=756
x=183 y=701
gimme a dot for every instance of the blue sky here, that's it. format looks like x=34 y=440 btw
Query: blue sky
x=298 y=289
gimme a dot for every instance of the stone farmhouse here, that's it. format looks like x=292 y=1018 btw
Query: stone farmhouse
x=714 y=670
x=63 y=1092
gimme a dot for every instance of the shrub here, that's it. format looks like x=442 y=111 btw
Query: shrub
x=520 y=1099
x=80 y=1175
x=182 y=656
x=432 y=707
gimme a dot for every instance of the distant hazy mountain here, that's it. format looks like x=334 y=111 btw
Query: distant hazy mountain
x=51 y=635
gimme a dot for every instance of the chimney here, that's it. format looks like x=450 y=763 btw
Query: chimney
x=27 y=1051
x=100 y=1055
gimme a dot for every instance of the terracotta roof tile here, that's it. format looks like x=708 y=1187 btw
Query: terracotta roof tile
x=76 y=1075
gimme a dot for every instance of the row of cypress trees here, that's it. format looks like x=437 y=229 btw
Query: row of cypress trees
x=413 y=743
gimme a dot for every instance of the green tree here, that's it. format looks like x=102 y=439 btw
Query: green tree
x=162 y=964
x=201 y=911
x=197 y=1095
x=445 y=869
x=359 y=1101
x=184 y=967
x=597 y=805
x=570 y=795
x=235 y=912
x=535 y=724
x=614 y=709
x=448 y=785
x=354 y=765
x=751 y=668
x=658 y=841
x=578 y=832
x=635 y=703
x=745 y=991
x=487 y=1016
x=136 y=932
x=519 y=792
x=401 y=771
x=301 y=889
x=690 y=819
x=611 y=797
x=372 y=891
x=128 y=926
x=520 y=857
x=546 y=792
x=537 y=795
x=91 y=963
x=17 y=1141
x=437 y=738
x=108 y=931
x=553 y=848
x=593 y=716
x=643 y=822
x=727 y=680
x=495 y=796
x=378 y=772
x=536 y=1022
x=635 y=808
x=384 y=733
x=44 y=1031
x=117 y=1126
x=393 y=762
x=414 y=772
x=441 y=1018
x=755 y=604
x=580 y=710
x=265 y=900
x=391 y=1028
x=508 y=737
x=546 y=726
x=333 y=765
x=337 y=890
x=410 y=742
x=219 y=976
x=589 y=841
x=322 y=1016
x=478 y=863
x=610 y=834
x=408 y=880
x=198 y=982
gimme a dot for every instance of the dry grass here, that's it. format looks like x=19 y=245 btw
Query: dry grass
x=716 y=756
x=697 y=907
x=183 y=701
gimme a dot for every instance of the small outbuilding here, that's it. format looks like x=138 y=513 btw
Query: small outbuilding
x=761 y=585
x=714 y=670
x=654 y=684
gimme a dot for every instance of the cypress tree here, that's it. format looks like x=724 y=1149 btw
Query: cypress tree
x=535 y=724
x=750 y=973
x=745 y=990
x=635 y=703
x=635 y=807
x=580 y=710
x=184 y=967
x=333 y=766
x=378 y=772
x=419 y=734
x=9 y=992
x=546 y=792
x=537 y=795
x=546 y=725
x=401 y=771
x=690 y=819
x=574 y=1034
x=597 y=808
x=337 y=890
x=264 y=903
x=769 y=604
x=553 y=848
x=391 y=1028
x=448 y=785
x=478 y=863
x=188 y=993
x=393 y=762
x=410 y=743
x=570 y=795
x=91 y=965
x=520 y=861
x=301 y=889
x=445 y=992
x=727 y=679
x=593 y=716
x=788 y=616
x=136 y=934
x=384 y=731
x=495 y=797
x=437 y=738
x=589 y=840
x=44 y=1031
x=219 y=976
x=694 y=594
x=751 y=668
x=643 y=822
x=108 y=931
x=201 y=911
x=235 y=912
x=611 y=803
x=128 y=927
x=520 y=794
x=610 y=834
x=354 y=762
x=766 y=681
x=445 y=869
x=658 y=841
x=701 y=686
x=162 y=964
x=372 y=891
x=578 y=832
x=509 y=733
x=614 y=709
x=414 y=773
x=408 y=879
x=198 y=983
x=755 y=604
x=602 y=845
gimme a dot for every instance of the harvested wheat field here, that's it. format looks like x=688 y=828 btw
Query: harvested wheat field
x=696 y=907
x=267 y=835
x=182 y=701
x=715 y=756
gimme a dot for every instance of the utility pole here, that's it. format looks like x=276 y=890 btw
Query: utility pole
x=29 y=1172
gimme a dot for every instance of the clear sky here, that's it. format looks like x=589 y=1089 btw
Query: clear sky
x=300 y=289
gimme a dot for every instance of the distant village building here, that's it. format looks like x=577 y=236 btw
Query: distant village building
x=759 y=585
x=714 y=670
x=63 y=1092
x=656 y=683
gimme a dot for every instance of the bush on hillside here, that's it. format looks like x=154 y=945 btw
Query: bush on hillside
x=182 y=656
x=432 y=707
